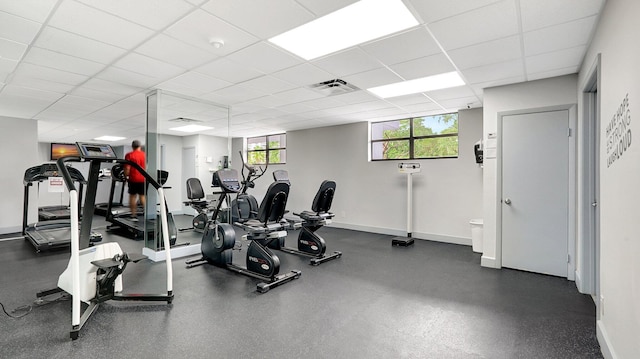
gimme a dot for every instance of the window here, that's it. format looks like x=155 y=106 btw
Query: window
x=414 y=138
x=273 y=148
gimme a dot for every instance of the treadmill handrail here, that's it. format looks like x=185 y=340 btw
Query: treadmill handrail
x=69 y=182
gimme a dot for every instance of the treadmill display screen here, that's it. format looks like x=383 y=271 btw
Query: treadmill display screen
x=96 y=151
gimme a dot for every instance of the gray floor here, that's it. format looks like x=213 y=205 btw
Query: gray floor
x=432 y=300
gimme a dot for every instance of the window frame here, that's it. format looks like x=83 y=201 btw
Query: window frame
x=267 y=149
x=411 y=138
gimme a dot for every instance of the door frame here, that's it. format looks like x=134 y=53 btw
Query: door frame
x=571 y=185
x=588 y=273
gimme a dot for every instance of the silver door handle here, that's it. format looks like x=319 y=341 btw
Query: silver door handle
x=507 y=201
x=594 y=204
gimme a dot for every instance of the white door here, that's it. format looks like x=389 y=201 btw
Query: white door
x=535 y=175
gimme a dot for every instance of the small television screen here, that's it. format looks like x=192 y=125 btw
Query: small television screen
x=63 y=150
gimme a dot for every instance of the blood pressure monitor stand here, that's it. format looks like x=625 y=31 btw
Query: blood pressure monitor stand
x=409 y=169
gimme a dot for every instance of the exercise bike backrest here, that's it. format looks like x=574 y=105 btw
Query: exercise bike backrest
x=324 y=197
x=274 y=203
x=194 y=189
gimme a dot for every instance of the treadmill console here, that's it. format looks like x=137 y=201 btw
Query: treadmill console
x=227 y=179
x=96 y=151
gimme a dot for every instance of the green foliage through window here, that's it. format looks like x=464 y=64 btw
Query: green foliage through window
x=414 y=138
x=272 y=147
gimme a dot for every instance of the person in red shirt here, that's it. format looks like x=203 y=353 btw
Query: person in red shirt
x=135 y=180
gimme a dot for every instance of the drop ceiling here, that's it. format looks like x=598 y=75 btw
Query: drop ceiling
x=82 y=68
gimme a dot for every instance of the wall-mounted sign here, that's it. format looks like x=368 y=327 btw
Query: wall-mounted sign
x=618 y=133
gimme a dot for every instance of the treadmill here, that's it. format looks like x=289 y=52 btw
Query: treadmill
x=121 y=220
x=54 y=233
x=39 y=174
x=118 y=207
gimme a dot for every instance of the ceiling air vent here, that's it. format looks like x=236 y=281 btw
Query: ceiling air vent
x=184 y=120
x=333 y=87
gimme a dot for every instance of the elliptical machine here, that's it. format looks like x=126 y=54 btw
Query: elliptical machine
x=94 y=272
x=219 y=238
x=245 y=206
x=310 y=244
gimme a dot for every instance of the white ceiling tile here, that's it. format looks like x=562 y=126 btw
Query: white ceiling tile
x=373 y=78
x=110 y=87
x=269 y=84
x=394 y=49
x=493 y=72
x=228 y=70
x=56 y=60
x=29 y=71
x=71 y=108
x=98 y=25
x=553 y=73
x=479 y=87
x=355 y=97
x=11 y=50
x=30 y=93
x=296 y=108
x=16 y=101
x=271 y=101
x=264 y=57
x=298 y=95
x=126 y=77
x=36 y=10
x=324 y=102
x=555 y=60
x=92 y=92
x=199 y=81
x=484 y=24
x=451 y=93
x=558 y=37
x=263 y=19
x=409 y=100
x=6 y=67
x=433 y=10
x=537 y=14
x=18 y=29
x=303 y=75
x=422 y=67
x=324 y=7
x=459 y=103
x=486 y=53
x=237 y=93
x=199 y=27
x=422 y=109
x=149 y=13
x=148 y=66
x=43 y=85
x=175 y=52
x=67 y=43
x=347 y=62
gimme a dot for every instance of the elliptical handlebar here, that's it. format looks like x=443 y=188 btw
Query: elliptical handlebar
x=248 y=180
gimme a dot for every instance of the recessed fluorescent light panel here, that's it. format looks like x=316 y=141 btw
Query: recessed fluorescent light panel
x=352 y=25
x=431 y=83
x=109 y=138
x=191 y=128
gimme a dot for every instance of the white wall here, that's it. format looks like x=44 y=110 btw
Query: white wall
x=371 y=196
x=532 y=95
x=19 y=139
x=619 y=313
